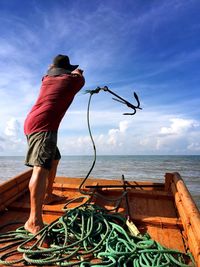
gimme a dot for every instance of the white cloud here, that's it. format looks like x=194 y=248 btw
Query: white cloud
x=179 y=137
x=12 y=128
x=141 y=135
x=178 y=126
x=12 y=139
x=105 y=143
x=194 y=147
x=115 y=135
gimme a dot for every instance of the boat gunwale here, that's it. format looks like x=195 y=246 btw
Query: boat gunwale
x=188 y=212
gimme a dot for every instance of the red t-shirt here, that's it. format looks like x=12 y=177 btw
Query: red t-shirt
x=56 y=95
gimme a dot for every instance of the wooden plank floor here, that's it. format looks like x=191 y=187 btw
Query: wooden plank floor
x=154 y=214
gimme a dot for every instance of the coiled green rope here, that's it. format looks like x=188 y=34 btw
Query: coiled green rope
x=86 y=233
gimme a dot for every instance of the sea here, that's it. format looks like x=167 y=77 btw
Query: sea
x=142 y=168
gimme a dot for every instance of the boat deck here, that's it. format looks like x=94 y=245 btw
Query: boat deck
x=152 y=206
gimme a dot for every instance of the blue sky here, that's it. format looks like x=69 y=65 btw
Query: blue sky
x=150 y=47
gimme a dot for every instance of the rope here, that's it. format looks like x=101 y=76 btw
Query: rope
x=86 y=233
x=96 y=194
x=94 y=149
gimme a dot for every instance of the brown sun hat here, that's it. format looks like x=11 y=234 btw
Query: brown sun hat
x=62 y=61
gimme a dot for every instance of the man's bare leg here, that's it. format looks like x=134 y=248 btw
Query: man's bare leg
x=37 y=187
x=50 y=197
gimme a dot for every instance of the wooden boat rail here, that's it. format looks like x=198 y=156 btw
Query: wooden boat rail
x=13 y=189
x=188 y=212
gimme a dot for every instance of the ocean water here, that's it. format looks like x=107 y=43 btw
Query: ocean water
x=143 y=168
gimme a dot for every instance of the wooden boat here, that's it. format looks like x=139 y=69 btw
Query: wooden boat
x=165 y=210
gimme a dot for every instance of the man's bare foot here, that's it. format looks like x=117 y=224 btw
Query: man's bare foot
x=32 y=227
x=53 y=198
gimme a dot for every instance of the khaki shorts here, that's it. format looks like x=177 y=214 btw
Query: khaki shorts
x=42 y=149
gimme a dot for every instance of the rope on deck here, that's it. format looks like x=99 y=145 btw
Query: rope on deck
x=86 y=233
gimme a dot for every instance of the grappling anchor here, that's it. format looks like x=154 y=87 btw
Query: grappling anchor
x=118 y=98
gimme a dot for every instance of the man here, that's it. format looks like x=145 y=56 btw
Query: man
x=58 y=89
